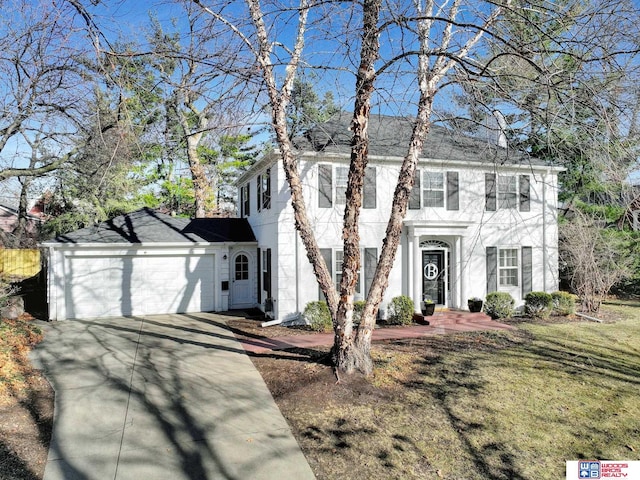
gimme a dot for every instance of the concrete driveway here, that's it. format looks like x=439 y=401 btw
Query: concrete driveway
x=161 y=397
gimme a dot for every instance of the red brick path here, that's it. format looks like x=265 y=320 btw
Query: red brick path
x=441 y=323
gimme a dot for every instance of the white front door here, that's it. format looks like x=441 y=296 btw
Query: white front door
x=241 y=296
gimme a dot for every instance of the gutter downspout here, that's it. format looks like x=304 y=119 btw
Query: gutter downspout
x=544 y=233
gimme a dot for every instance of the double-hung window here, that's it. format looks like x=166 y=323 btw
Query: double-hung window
x=435 y=190
x=507 y=191
x=264 y=190
x=368 y=260
x=342 y=174
x=244 y=201
x=332 y=186
x=432 y=189
x=508 y=267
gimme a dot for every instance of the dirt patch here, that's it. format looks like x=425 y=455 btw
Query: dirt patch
x=26 y=421
x=26 y=404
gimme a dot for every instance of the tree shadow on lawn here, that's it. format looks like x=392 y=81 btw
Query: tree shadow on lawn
x=586 y=363
x=453 y=381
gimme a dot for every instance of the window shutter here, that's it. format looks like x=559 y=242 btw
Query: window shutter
x=259 y=193
x=369 y=191
x=414 y=196
x=259 y=276
x=248 y=201
x=370 y=263
x=267 y=275
x=452 y=191
x=527 y=270
x=243 y=196
x=490 y=191
x=525 y=198
x=492 y=269
x=326 y=254
x=325 y=187
x=267 y=190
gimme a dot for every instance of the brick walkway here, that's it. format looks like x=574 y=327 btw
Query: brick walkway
x=440 y=324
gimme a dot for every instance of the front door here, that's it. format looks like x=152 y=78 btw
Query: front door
x=433 y=276
x=241 y=281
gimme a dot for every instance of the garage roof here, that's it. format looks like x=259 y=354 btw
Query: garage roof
x=149 y=226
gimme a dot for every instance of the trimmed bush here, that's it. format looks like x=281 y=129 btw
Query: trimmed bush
x=400 y=311
x=564 y=303
x=499 y=305
x=538 y=304
x=318 y=316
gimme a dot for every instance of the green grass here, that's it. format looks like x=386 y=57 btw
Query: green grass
x=487 y=405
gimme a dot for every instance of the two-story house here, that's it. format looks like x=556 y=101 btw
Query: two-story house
x=481 y=218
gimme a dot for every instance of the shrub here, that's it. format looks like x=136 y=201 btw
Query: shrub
x=564 y=303
x=538 y=304
x=400 y=311
x=318 y=316
x=499 y=305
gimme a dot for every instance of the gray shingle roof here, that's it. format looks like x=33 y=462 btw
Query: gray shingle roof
x=389 y=136
x=148 y=226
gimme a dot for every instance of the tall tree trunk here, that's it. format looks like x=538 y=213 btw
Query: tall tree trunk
x=20 y=230
x=202 y=191
x=349 y=355
x=279 y=99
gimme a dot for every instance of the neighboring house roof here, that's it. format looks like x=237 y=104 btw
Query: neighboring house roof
x=389 y=137
x=9 y=218
x=148 y=226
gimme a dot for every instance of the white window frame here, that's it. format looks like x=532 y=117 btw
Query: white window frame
x=507 y=191
x=340 y=190
x=508 y=273
x=428 y=186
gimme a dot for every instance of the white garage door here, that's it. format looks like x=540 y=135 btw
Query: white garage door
x=107 y=286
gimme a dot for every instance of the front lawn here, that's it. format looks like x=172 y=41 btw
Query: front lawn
x=512 y=405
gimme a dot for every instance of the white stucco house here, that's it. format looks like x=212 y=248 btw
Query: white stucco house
x=481 y=218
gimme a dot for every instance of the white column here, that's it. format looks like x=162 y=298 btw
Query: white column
x=459 y=302
x=417 y=273
x=409 y=264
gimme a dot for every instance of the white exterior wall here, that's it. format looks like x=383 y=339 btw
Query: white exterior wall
x=468 y=231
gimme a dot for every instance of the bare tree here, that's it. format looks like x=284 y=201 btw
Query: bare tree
x=42 y=82
x=201 y=92
x=594 y=258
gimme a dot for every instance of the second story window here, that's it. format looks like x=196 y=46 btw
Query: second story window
x=435 y=190
x=264 y=190
x=332 y=186
x=507 y=191
x=342 y=174
x=244 y=201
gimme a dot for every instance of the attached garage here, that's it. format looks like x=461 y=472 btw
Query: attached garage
x=144 y=263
